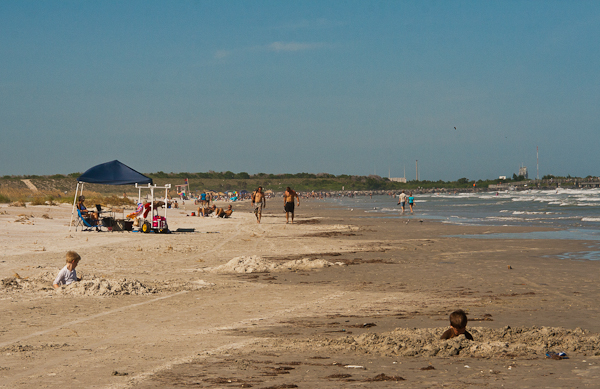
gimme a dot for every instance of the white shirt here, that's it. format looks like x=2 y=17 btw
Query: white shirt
x=65 y=276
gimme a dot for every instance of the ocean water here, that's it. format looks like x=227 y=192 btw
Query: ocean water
x=575 y=211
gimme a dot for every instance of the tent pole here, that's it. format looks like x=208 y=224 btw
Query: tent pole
x=152 y=207
x=74 y=202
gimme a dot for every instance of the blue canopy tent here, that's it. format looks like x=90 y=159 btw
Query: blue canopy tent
x=113 y=173
x=109 y=173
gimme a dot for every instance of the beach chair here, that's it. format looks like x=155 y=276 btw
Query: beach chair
x=86 y=224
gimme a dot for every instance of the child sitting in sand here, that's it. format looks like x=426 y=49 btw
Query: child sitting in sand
x=458 y=325
x=67 y=274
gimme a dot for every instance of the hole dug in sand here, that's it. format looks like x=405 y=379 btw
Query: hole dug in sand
x=522 y=342
x=93 y=285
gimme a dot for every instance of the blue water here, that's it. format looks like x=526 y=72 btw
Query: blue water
x=575 y=211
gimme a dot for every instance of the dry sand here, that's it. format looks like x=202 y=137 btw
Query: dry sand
x=337 y=300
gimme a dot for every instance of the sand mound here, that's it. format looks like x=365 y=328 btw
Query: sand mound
x=524 y=342
x=41 y=282
x=93 y=285
x=105 y=287
x=257 y=264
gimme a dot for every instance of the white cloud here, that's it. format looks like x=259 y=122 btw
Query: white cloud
x=313 y=24
x=277 y=47
x=220 y=54
x=293 y=46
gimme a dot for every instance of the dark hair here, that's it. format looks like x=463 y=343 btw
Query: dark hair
x=458 y=319
x=288 y=189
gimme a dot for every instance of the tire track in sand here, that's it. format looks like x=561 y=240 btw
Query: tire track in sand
x=283 y=313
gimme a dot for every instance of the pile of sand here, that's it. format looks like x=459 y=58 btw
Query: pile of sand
x=93 y=285
x=106 y=287
x=257 y=264
x=524 y=342
x=41 y=282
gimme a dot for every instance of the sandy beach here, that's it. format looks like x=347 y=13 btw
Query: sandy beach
x=337 y=300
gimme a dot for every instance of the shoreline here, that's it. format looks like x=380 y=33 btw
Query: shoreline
x=200 y=323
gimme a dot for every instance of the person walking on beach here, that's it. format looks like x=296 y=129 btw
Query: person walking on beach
x=402 y=200
x=288 y=203
x=411 y=201
x=258 y=202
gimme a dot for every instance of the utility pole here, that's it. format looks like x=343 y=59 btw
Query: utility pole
x=537 y=159
x=417 y=167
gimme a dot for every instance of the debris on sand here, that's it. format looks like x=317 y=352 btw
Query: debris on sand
x=257 y=264
x=308 y=221
x=384 y=377
x=522 y=342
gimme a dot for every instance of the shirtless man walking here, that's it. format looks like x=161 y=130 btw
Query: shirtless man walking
x=288 y=203
x=258 y=202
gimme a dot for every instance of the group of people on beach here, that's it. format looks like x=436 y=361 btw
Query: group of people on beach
x=290 y=197
x=403 y=198
x=67 y=275
x=205 y=209
x=214 y=211
x=259 y=202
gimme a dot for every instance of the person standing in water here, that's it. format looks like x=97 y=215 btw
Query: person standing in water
x=402 y=200
x=411 y=201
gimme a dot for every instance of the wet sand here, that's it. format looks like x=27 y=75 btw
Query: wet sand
x=339 y=299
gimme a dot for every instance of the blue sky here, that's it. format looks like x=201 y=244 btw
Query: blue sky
x=343 y=87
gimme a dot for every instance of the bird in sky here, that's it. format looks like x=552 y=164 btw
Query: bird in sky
x=455 y=128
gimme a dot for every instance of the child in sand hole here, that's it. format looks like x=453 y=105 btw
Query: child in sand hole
x=458 y=326
x=67 y=275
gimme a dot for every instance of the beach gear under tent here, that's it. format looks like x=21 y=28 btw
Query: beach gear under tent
x=158 y=223
x=109 y=173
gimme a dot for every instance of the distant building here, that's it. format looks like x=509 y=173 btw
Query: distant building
x=523 y=172
x=502 y=178
x=398 y=179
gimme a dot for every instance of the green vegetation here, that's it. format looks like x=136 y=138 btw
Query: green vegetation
x=59 y=188
x=38 y=200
